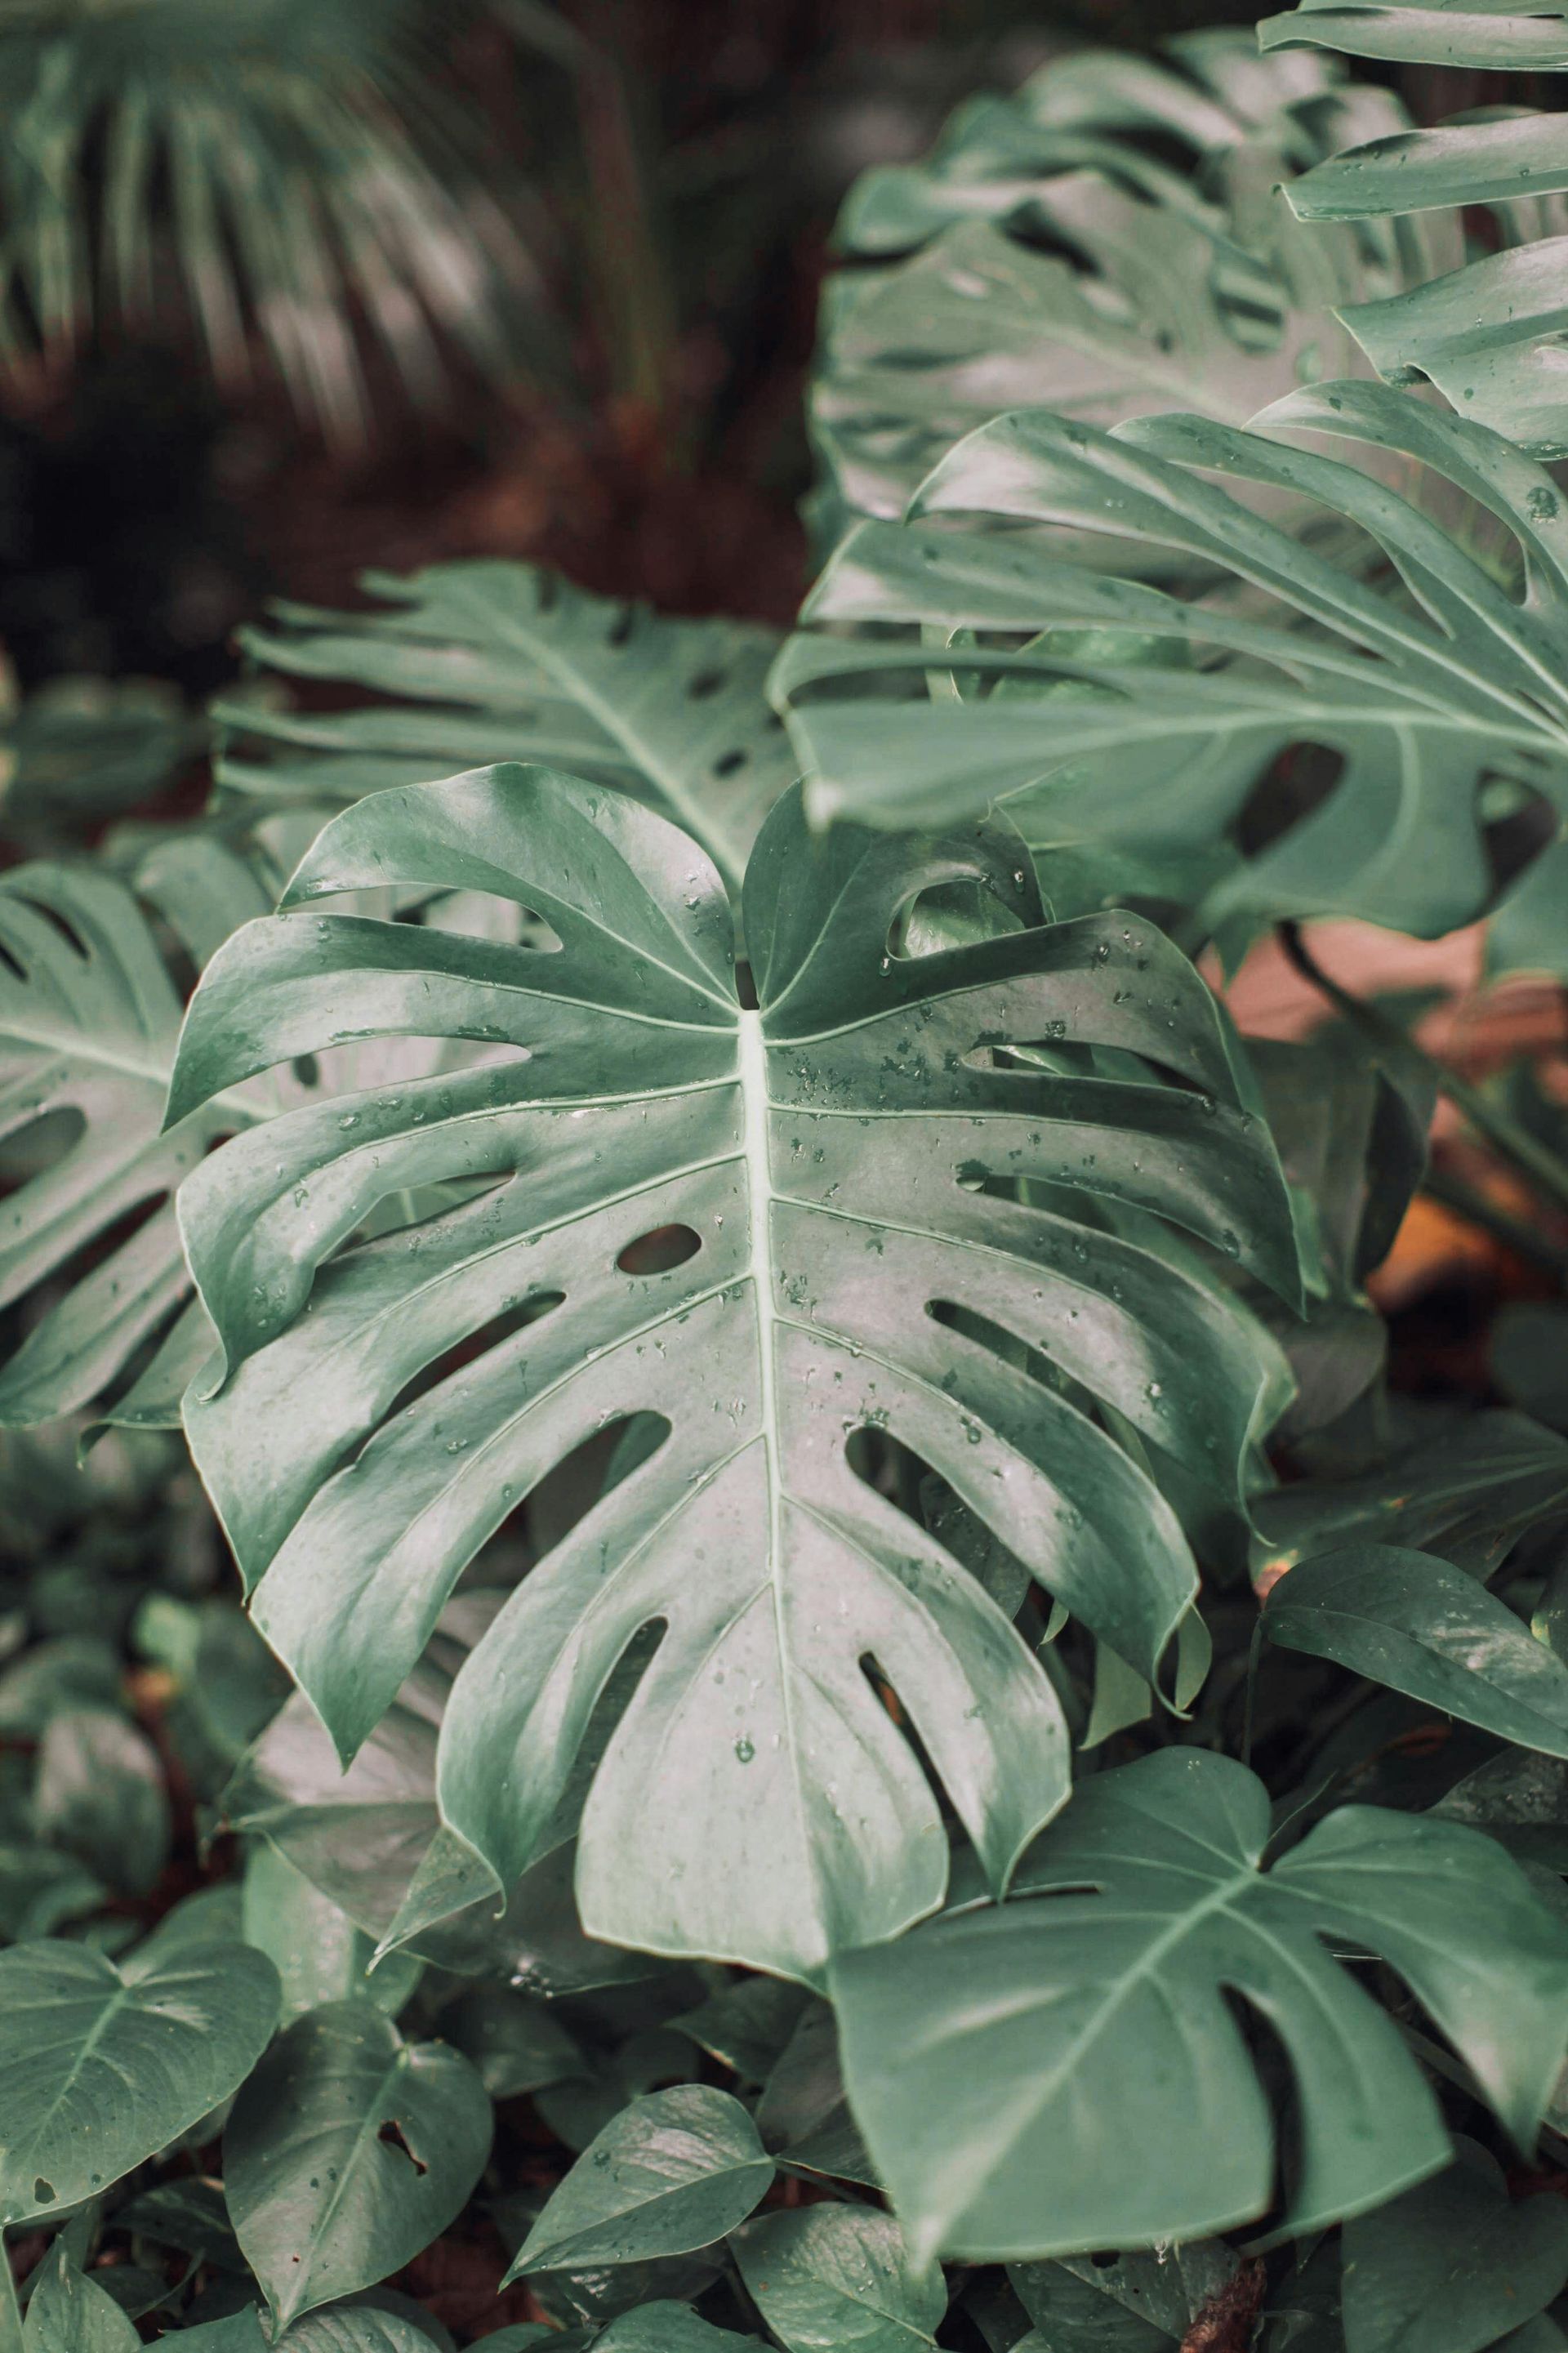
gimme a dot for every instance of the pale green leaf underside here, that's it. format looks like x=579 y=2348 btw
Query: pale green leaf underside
x=827 y=1160
x=1048 y=2030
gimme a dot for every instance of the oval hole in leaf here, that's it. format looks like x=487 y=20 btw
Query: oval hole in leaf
x=658 y=1252
x=1291 y=788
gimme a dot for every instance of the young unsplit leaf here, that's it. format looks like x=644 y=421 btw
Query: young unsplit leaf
x=843 y=1167
x=348 y=2151
x=672 y=2172
x=1421 y=690
x=1102 y=2018
x=98 y=2067
x=1453 y=2265
x=69 y=2314
x=838 y=2279
x=505 y=662
x=1423 y=1627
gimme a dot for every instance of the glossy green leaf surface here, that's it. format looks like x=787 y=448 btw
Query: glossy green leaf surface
x=663 y=2327
x=348 y=2151
x=673 y=2172
x=838 y=2279
x=1452 y=2266
x=1494 y=36
x=98 y=2069
x=344 y=2329
x=1410 y=690
x=505 y=662
x=829 y=1161
x=1140 y=2302
x=1102 y=2014
x=1423 y=1626
x=1488 y=334
x=69 y=2314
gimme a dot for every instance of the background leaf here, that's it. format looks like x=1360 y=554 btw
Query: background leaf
x=96 y=2072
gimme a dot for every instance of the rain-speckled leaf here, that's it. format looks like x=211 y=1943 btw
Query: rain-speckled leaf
x=839 y=1169
x=838 y=2279
x=1002 y=2060
x=1407 y=692
x=100 y=2068
x=1489 y=334
x=504 y=661
x=1427 y=1629
x=673 y=2172
x=348 y=2151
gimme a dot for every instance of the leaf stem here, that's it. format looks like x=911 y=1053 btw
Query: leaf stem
x=1541 y=1167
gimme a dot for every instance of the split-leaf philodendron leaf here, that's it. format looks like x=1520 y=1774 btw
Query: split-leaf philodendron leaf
x=1489 y=335
x=1412 y=693
x=505 y=662
x=1004 y=2060
x=842 y=1169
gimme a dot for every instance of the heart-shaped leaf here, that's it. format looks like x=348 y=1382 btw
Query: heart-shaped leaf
x=69 y=2314
x=348 y=2151
x=1427 y=1629
x=844 y=1167
x=100 y=2068
x=1453 y=2265
x=838 y=2279
x=672 y=2172
x=1102 y=2015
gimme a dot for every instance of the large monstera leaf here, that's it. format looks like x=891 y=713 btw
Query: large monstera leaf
x=1488 y=334
x=1135 y=720
x=999 y=2059
x=505 y=662
x=845 y=1167
x=1105 y=242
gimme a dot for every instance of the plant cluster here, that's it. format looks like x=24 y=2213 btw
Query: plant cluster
x=862 y=1716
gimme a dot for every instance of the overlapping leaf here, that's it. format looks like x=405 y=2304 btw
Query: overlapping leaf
x=1104 y=242
x=90 y=1013
x=1488 y=334
x=504 y=661
x=843 y=1168
x=1416 y=691
x=1003 y=2061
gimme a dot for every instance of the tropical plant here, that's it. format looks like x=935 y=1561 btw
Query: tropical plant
x=290 y=165
x=869 y=1712
x=1488 y=334
x=1114 y=218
